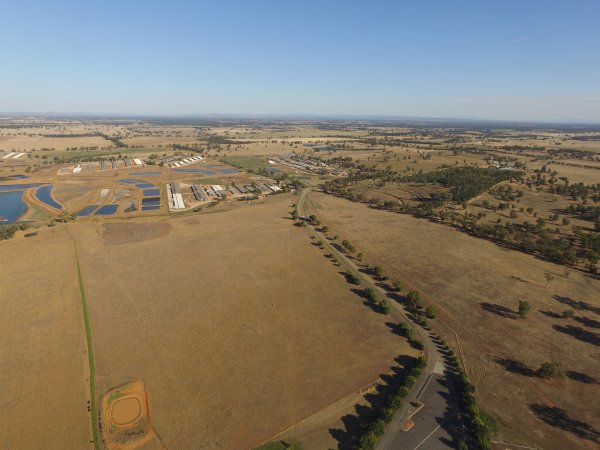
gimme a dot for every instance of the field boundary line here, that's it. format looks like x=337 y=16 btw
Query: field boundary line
x=88 y=339
x=514 y=445
x=460 y=352
x=360 y=391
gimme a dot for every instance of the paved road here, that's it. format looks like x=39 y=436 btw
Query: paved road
x=434 y=422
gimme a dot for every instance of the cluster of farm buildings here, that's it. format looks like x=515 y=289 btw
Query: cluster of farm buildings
x=304 y=163
x=179 y=162
x=11 y=155
x=174 y=162
x=208 y=192
x=107 y=165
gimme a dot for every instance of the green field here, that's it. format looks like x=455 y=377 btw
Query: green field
x=83 y=155
x=247 y=162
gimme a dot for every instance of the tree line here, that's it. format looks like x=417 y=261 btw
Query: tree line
x=533 y=238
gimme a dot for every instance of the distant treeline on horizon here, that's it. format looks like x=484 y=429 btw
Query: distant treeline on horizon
x=333 y=121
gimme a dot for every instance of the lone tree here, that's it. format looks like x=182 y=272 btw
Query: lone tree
x=524 y=308
x=414 y=299
x=550 y=370
x=385 y=307
x=351 y=278
x=324 y=228
x=430 y=312
x=397 y=286
x=369 y=293
x=405 y=330
x=568 y=314
x=378 y=271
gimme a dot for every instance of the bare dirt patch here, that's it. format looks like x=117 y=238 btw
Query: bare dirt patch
x=117 y=233
x=126 y=421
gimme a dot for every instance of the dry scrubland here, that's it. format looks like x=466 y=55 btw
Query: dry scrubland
x=238 y=326
x=476 y=285
x=43 y=360
x=544 y=204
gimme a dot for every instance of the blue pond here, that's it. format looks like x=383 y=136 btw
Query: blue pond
x=18 y=177
x=153 y=201
x=140 y=174
x=86 y=211
x=207 y=172
x=107 y=210
x=12 y=206
x=144 y=185
x=16 y=187
x=43 y=194
x=128 y=181
x=150 y=207
x=151 y=192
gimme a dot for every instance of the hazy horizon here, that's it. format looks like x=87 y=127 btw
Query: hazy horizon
x=285 y=116
x=511 y=61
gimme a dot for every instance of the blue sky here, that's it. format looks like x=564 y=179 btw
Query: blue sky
x=521 y=60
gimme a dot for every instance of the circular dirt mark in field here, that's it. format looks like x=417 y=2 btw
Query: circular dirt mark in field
x=126 y=410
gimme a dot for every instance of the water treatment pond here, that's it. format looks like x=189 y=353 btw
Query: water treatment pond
x=86 y=211
x=107 y=210
x=43 y=195
x=16 y=187
x=12 y=206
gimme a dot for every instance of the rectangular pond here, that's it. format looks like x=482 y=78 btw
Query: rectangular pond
x=154 y=201
x=151 y=192
x=128 y=181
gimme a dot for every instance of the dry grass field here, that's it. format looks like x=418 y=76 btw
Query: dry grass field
x=476 y=286
x=237 y=325
x=58 y=143
x=577 y=174
x=43 y=362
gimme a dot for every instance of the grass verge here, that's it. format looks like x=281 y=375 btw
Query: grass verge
x=90 y=352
